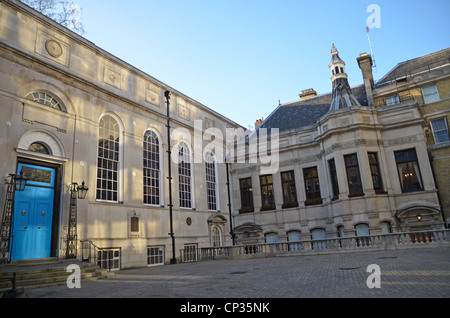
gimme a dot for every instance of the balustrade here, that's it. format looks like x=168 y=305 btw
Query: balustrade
x=330 y=245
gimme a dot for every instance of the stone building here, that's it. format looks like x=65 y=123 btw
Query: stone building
x=355 y=161
x=347 y=167
x=72 y=112
x=424 y=81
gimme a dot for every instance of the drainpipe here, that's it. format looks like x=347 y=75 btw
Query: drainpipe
x=169 y=151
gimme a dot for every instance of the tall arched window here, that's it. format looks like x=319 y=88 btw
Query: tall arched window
x=108 y=161
x=185 y=175
x=211 y=182
x=152 y=168
x=216 y=237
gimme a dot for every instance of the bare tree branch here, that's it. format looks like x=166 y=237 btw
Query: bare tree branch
x=64 y=12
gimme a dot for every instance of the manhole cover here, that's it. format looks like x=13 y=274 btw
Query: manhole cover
x=349 y=268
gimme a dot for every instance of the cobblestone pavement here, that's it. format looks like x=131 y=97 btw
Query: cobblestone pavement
x=403 y=274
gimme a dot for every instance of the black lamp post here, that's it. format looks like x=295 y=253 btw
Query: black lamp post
x=169 y=151
x=76 y=192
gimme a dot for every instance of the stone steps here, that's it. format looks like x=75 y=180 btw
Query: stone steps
x=46 y=272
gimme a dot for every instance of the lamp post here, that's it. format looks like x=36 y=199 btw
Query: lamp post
x=76 y=192
x=169 y=151
x=229 y=206
x=17 y=183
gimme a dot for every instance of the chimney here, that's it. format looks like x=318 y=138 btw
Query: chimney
x=307 y=93
x=365 y=64
x=258 y=122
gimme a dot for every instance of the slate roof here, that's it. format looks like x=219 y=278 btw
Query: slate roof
x=416 y=65
x=302 y=113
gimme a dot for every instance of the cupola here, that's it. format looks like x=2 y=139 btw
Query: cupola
x=342 y=93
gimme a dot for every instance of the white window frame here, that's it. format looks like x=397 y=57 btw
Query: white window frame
x=392 y=100
x=184 y=187
x=190 y=253
x=216 y=237
x=444 y=119
x=211 y=173
x=159 y=170
x=155 y=259
x=105 y=261
x=432 y=95
x=119 y=161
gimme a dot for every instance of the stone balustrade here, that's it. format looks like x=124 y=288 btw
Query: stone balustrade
x=379 y=242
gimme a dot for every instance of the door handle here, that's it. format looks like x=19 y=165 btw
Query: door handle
x=43 y=213
x=24 y=212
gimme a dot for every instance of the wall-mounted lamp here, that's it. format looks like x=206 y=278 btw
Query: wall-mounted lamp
x=419 y=218
x=80 y=190
x=20 y=181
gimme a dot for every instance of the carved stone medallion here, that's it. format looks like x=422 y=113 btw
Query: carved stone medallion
x=53 y=48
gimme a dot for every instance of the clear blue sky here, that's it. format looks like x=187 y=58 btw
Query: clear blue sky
x=239 y=57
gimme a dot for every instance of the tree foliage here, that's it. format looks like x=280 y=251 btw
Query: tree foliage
x=64 y=12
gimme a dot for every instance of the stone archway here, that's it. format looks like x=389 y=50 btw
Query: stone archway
x=249 y=233
x=419 y=218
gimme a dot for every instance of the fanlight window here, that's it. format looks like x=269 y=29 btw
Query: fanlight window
x=45 y=99
x=40 y=148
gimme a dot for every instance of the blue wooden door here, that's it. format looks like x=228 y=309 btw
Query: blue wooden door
x=33 y=214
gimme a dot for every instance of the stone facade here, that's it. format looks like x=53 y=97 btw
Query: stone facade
x=346 y=169
x=62 y=99
x=426 y=82
x=73 y=108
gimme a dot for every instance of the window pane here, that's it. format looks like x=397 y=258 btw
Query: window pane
x=440 y=130
x=267 y=197
x=408 y=170
x=184 y=175
x=312 y=187
x=246 y=195
x=211 y=185
x=430 y=94
x=107 y=165
x=353 y=175
x=151 y=168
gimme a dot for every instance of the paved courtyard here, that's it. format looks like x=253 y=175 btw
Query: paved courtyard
x=403 y=274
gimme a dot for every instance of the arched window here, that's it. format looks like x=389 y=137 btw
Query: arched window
x=152 y=168
x=385 y=227
x=40 y=148
x=362 y=229
x=318 y=234
x=294 y=237
x=46 y=99
x=271 y=238
x=185 y=175
x=211 y=182
x=337 y=70
x=108 y=161
x=216 y=237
